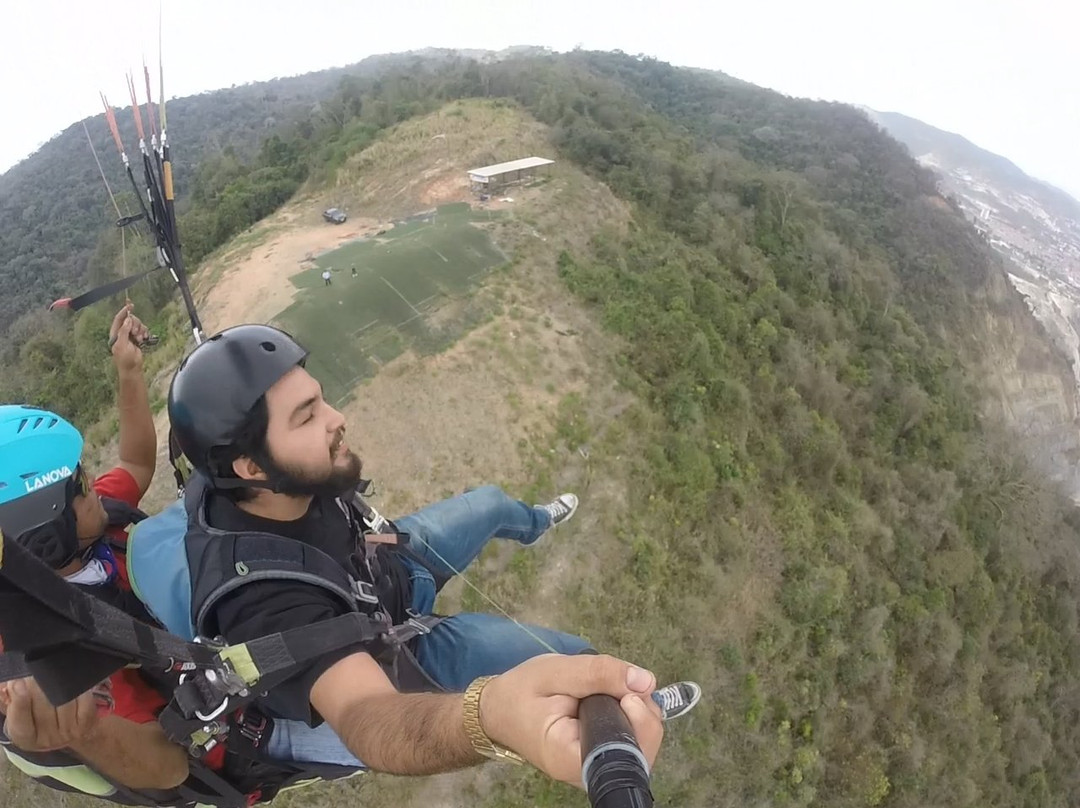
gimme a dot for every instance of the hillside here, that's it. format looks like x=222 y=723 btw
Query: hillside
x=1036 y=229
x=950 y=151
x=754 y=338
x=54 y=207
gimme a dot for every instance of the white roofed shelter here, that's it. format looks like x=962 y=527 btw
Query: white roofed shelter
x=489 y=178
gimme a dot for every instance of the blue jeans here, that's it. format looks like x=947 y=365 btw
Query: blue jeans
x=456 y=530
x=448 y=536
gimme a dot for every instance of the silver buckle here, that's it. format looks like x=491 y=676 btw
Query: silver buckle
x=215 y=713
x=375 y=522
x=364 y=592
x=416 y=622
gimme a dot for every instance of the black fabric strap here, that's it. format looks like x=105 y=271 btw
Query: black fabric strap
x=280 y=656
x=12 y=666
x=107 y=290
x=181 y=466
x=120 y=513
x=277 y=657
x=219 y=791
x=199 y=708
x=265 y=557
x=70 y=640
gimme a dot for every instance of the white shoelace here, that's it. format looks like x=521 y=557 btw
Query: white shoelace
x=557 y=509
x=670 y=698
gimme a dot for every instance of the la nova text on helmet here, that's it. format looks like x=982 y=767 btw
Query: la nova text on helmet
x=48 y=478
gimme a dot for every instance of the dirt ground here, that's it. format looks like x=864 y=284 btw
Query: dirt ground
x=445 y=188
x=417 y=423
x=430 y=427
x=255 y=287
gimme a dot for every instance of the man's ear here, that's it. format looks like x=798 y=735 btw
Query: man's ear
x=247 y=469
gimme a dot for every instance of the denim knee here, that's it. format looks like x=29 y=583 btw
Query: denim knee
x=487 y=496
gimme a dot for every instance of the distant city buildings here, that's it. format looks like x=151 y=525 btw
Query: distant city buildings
x=1017 y=226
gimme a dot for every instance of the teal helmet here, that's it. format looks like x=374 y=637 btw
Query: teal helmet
x=39 y=473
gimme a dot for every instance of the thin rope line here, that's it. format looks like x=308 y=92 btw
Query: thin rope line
x=112 y=198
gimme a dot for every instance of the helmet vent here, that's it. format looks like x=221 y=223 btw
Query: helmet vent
x=269 y=347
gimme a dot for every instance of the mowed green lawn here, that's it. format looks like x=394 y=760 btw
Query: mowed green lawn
x=356 y=324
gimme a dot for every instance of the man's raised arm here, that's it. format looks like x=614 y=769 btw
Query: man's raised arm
x=138 y=438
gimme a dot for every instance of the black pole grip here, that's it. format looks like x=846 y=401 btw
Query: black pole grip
x=613 y=767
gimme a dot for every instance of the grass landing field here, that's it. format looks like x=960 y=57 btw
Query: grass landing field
x=403 y=277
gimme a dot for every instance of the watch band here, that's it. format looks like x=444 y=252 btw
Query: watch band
x=475 y=732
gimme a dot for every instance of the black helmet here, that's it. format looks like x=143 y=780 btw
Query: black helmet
x=219 y=382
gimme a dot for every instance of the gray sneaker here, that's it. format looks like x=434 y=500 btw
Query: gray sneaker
x=677 y=699
x=561 y=508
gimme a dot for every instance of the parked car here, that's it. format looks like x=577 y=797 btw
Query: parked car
x=334 y=215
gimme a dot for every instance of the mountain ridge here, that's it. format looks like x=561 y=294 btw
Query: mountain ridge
x=923 y=138
x=792 y=492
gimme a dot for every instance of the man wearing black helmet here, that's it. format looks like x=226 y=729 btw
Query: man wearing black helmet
x=277 y=539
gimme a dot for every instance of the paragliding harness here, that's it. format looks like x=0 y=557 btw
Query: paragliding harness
x=181 y=567
x=69 y=641
x=164 y=551
x=120 y=513
x=66 y=667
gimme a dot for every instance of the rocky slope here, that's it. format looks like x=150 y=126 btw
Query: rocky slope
x=1032 y=366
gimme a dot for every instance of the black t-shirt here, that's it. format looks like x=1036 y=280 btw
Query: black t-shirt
x=266 y=607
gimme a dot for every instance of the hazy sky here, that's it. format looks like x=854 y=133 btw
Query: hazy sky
x=1003 y=73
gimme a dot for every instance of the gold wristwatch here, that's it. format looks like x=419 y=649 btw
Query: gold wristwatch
x=479 y=739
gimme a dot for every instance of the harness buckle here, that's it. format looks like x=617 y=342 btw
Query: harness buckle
x=207 y=686
x=364 y=592
x=416 y=621
x=221 y=708
x=374 y=520
x=252 y=726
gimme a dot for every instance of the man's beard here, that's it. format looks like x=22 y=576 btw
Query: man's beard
x=295 y=482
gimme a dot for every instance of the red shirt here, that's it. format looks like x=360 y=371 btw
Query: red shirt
x=119 y=484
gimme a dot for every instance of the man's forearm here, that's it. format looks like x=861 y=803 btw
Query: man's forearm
x=138 y=438
x=135 y=755
x=409 y=733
